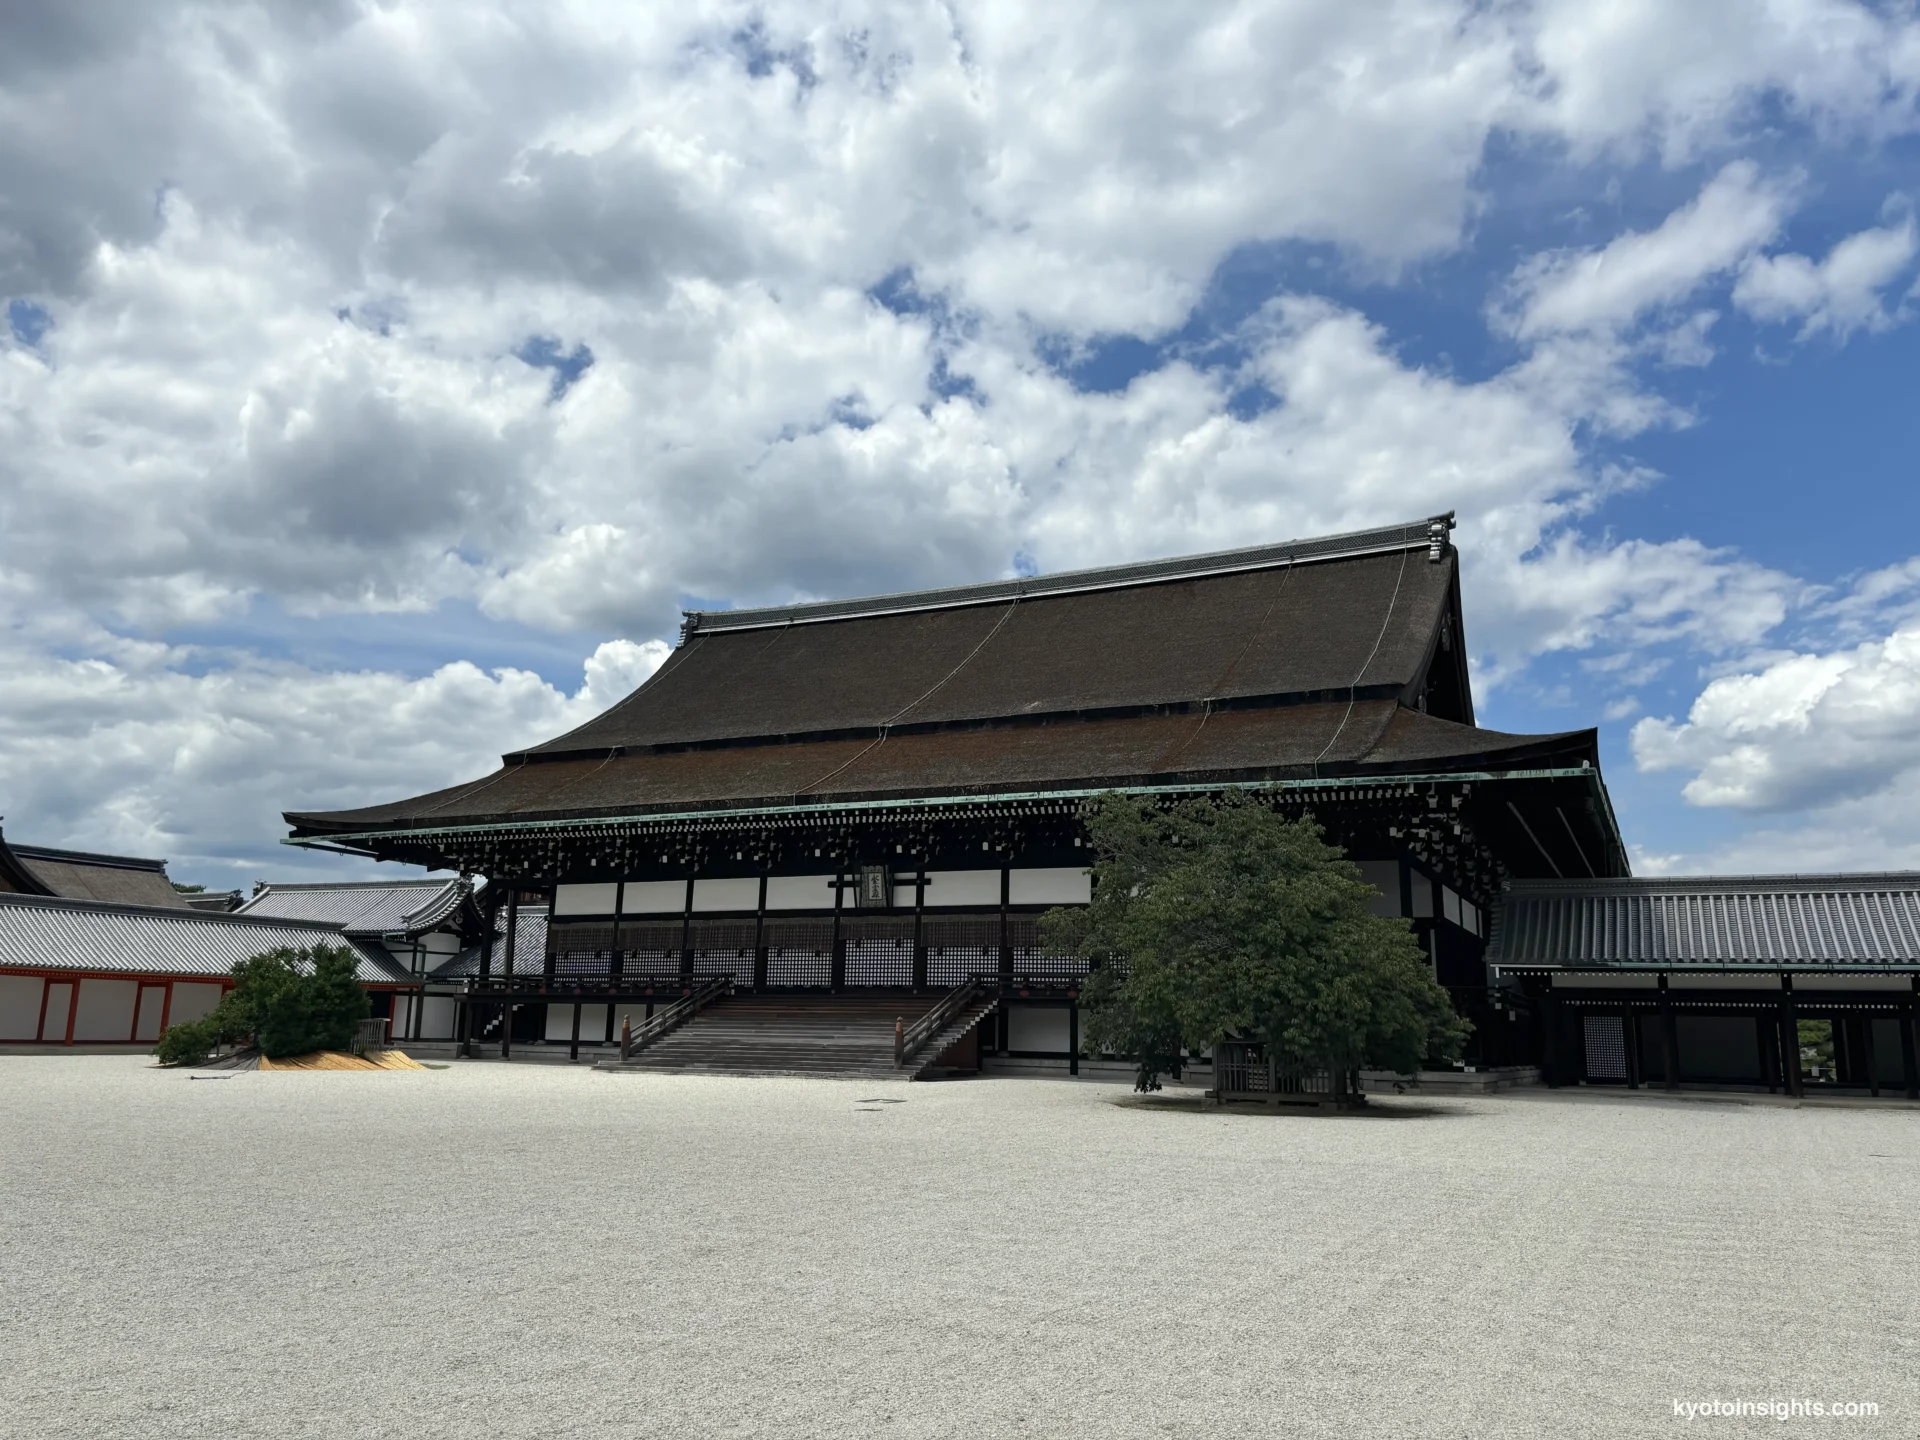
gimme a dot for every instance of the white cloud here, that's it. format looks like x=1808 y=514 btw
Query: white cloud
x=1804 y=730
x=289 y=255
x=1839 y=294
x=1610 y=288
x=137 y=755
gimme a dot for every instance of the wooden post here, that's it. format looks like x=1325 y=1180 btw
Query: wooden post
x=1006 y=944
x=626 y=1037
x=1669 y=1037
x=506 y=973
x=573 y=1045
x=1873 y=1058
x=899 y=1040
x=1790 y=1040
x=920 y=981
x=1550 y=1036
x=1909 y=1060
x=836 y=956
x=1630 y=1041
x=1073 y=1037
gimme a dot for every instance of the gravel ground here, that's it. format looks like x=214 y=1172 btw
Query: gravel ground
x=508 y=1250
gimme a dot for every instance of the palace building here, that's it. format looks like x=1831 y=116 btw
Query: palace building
x=845 y=804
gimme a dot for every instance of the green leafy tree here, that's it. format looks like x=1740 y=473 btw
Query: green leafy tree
x=288 y=1002
x=1220 y=918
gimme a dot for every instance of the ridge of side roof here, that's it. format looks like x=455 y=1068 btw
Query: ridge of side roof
x=369 y=908
x=1780 y=884
x=88 y=857
x=1430 y=533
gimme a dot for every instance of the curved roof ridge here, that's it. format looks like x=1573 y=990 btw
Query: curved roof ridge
x=1383 y=539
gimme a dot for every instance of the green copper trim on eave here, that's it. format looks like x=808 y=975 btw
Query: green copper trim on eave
x=933 y=802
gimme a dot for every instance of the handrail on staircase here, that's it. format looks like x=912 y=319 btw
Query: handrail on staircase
x=908 y=1039
x=674 y=1016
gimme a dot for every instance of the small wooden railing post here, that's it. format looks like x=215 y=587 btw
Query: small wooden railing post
x=626 y=1037
x=899 y=1040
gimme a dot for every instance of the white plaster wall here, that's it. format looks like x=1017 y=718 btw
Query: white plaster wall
x=736 y=894
x=153 y=999
x=436 y=1017
x=1384 y=876
x=1070 y=886
x=800 y=892
x=191 y=1000
x=106 y=1009
x=59 y=1002
x=963 y=887
x=593 y=1022
x=1897 y=983
x=20 y=997
x=1037 y=1027
x=583 y=899
x=653 y=897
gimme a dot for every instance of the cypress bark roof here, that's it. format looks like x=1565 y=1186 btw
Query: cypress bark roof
x=1318 y=658
x=83 y=875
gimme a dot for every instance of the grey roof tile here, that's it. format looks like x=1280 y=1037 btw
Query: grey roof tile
x=1777 y=921
x=54 y=933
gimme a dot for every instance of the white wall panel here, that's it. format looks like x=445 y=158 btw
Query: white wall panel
x=59 y=1003
x=20 y=997
x=436 y=1017
x=106 y=1009
x=655 y=897
x=963 y=887
x=1072 y=886
x=1763 y=980
x=1384 y=876
x=1898 y=983
x=191 y=1000
x=560 y=1022
x=146 y=1025
x=800 y=892
x=583 y=899
x=1037 y=1027
x=737 y=894
x=1422 y=896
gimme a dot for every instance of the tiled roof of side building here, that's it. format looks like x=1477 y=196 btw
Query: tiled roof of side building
x=371 y=909
x=55 y=933
x=1773 y=921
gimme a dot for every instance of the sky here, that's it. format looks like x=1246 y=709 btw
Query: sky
x=379 y=381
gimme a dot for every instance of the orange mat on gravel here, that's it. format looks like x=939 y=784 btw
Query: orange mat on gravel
x=338 y=1060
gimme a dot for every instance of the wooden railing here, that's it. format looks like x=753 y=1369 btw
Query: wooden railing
x=673 y=1017
x=1245 y=1070
x=909 y=1039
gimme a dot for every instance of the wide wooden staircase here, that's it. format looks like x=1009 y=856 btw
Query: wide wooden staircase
x=849 y=1036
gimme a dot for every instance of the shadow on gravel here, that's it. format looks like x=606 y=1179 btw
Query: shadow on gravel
x=1394 y=1109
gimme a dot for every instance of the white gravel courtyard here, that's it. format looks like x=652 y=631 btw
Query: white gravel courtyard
x=509 y=1250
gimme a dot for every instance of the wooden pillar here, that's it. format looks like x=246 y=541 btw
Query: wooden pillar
x=1790 y=1040
x=920 y=981
x=1669 y=1037
x=1073 y=1037
x=1630 y=1038
x=686 y=937
x=1909 y=1060
x=1550 y=1036
x=836 y=955
x=760 y=939
x=573 y=1045
x=1006 y=943
x=507 y=973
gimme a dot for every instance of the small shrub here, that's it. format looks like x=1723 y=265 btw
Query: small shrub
x=187 y=1044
